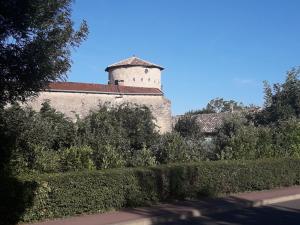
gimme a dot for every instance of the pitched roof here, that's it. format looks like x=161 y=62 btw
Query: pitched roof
x=133 y=61
x=101 y=88
x=209 y=123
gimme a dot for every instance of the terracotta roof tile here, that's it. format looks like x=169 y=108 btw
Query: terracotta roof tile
x=101 y=88
x=211 y=122
x=133 y=61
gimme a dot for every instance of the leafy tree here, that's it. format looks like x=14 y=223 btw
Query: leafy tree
x=218 y=105
x=187 y=126
x=36 y=38
x=171 y=148
x=138 y=123
x=239 y=139
x=282 y=102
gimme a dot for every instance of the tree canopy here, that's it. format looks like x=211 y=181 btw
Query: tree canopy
x=218 y=105
x=282 y=102
x=36 y=39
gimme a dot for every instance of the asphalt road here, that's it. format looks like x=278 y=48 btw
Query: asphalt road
x=285 y=213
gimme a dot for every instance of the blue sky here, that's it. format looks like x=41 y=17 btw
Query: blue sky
x=212 y=48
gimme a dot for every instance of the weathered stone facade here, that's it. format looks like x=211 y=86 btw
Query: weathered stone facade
x=79 y=98
x=72 y=103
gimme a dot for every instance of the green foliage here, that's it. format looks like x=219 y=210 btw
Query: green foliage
x=239 y=139
x=44 y=160
x=108 y=156
x=143 y=157
x=36 y=38
x=282 y=102
x=138 y=123
x=187 y=126
x=218 y=105
x=287 y=138
x=171 y=148
x=32 y=138
x=59 y=195
x=76 y=158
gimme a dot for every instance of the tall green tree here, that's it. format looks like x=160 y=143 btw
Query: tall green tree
x=282 y=102
x=36 y=39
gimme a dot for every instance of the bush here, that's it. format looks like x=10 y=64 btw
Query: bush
x=76 y=158
x=171 y=148
x=59 y=195
x=108 y=156
x=44 y=160
x=187 y=126
x=239 y=139
x=287 y=138
x=29 y=136
x=143 y=157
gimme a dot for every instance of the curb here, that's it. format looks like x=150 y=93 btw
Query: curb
x=275 y=200
x=193 y=213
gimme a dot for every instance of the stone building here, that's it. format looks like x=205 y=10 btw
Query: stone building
x=132 y=80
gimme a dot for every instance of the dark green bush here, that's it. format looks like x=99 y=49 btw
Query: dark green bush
x=59 y=195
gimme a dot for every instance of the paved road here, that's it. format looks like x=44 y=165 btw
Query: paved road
x=285 y=213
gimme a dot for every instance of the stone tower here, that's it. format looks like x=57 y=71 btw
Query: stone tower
x=135 y=72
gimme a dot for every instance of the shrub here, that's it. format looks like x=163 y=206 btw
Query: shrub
x=187 y=126
x=287 y=138
x=44 y=160
x=125 y=127
x=143 y=157
x=171 y=148
x=76 y=158
x=108 y=156
x=58 y=195
x=238 y=139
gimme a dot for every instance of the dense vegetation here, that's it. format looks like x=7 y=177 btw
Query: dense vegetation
x=272 y=132
x=126 y=136
x=36 y=39
x=65 y=194
x=51 y=166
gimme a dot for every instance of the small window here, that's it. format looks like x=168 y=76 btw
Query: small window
x=148 y=79
x=146 y=70
x=133 y=79
x=142 y=79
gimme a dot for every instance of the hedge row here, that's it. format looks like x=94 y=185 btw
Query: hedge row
x=59 y=195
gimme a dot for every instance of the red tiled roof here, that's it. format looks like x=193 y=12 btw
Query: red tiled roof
x=101 y=88
x=133 y=61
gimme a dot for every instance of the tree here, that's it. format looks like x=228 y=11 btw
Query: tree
x=218 y=105
x=36 y=38
x=187 y=126
x=283 y=101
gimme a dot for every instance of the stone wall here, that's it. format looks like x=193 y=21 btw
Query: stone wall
x=72 y=103
x=136 y=76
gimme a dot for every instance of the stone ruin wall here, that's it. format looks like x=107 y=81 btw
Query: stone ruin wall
x=72 y=103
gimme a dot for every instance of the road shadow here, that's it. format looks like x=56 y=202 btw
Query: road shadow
x=267 y=215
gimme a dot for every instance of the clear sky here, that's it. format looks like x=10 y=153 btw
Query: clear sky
x=211 y=48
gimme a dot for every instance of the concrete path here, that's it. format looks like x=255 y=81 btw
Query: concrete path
x=163 y=213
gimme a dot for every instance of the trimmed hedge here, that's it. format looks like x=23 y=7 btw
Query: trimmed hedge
x=59 y=195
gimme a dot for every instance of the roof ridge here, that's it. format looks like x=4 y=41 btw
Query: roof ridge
x=133 y=61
